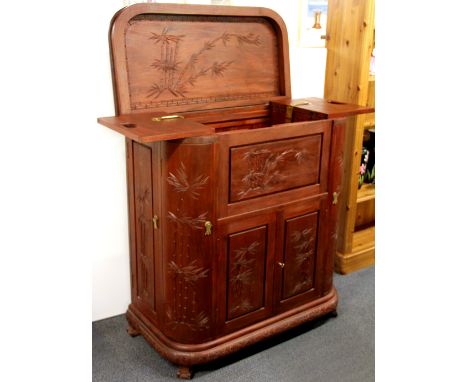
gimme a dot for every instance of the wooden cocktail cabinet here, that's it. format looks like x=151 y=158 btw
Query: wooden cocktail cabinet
x=232 y=185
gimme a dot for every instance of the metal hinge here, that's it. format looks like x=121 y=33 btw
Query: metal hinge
x=155 y=221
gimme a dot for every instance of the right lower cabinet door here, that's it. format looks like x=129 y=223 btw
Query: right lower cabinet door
x=300 y=250
x=244 y=283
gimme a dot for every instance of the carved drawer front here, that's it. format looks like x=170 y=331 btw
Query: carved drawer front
x=266 y=168
x=246 y=249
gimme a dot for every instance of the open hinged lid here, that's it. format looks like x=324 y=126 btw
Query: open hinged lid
x=180 y=58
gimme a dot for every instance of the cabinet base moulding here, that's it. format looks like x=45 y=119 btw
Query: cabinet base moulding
x=188 y=355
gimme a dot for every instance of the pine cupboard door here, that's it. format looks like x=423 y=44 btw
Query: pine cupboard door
x=245 y=256
x=300 y=251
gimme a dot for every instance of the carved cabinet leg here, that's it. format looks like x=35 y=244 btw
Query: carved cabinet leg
x=334 y=313
x=132 y=331
x=184 y=372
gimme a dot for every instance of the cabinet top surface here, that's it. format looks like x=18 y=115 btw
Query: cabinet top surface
x=191 y=57
x=145 y=128
x=331 y=109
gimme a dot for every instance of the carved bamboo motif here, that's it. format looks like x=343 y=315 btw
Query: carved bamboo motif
x=183 y=309
x=174 y=78
x=265 y=168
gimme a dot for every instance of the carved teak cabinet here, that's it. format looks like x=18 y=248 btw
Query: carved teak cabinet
x=232 y=185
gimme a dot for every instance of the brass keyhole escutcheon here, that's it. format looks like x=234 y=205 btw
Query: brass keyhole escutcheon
x=281 y=264
x=156 y=221
x=335 y=198
x=208 y=227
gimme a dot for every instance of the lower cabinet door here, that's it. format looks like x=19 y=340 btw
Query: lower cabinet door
x=300 y=251
x=245 y=250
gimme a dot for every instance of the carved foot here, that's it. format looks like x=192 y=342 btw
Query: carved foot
x=184 y=372
x=132 y=331
x=334 y=313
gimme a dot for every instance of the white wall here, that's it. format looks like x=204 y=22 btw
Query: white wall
x=111 y=277
x=111 y=268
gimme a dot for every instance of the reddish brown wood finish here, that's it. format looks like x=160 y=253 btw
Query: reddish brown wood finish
x=306 y=109
x=335 y=183
x=310 y=131
x=281 y=165
x=239 y=303
x=300 y=246
x=172 y=56
x=247 y=255
x=233 y=342
x=142 y=128
x=187 y=194
x=232 y=220
x=298 y=223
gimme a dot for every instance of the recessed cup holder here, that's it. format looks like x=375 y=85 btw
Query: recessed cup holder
x=129 y=125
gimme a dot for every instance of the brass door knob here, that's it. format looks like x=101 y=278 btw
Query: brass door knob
x=281 y=264
x=208 y=227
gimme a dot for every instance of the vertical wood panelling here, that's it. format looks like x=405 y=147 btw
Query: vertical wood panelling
x=350 y=32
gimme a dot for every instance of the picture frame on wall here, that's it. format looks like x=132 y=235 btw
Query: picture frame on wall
x=313 y=23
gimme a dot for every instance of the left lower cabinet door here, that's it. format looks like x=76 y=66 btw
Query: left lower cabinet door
x=245 y=254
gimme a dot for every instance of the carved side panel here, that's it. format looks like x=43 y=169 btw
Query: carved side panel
x=265 y=168
x=187 y=250
x=143 y=224
x=246 y=271
x=299 y=254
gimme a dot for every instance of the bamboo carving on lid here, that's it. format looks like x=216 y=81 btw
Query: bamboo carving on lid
x=189 y=60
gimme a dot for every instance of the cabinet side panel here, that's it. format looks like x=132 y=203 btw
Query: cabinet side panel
x=187 y=182
x=158 y=239
x=299 y=254
x=246 y=273
x=335 y=186
x=131 y=216
x=143 y=224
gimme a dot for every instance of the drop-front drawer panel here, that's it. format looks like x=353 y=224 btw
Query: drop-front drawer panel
x=266 y=168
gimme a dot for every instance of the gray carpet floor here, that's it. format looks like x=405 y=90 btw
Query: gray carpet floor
x=328 y=350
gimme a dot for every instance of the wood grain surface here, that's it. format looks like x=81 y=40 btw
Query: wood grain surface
x=232 y=213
